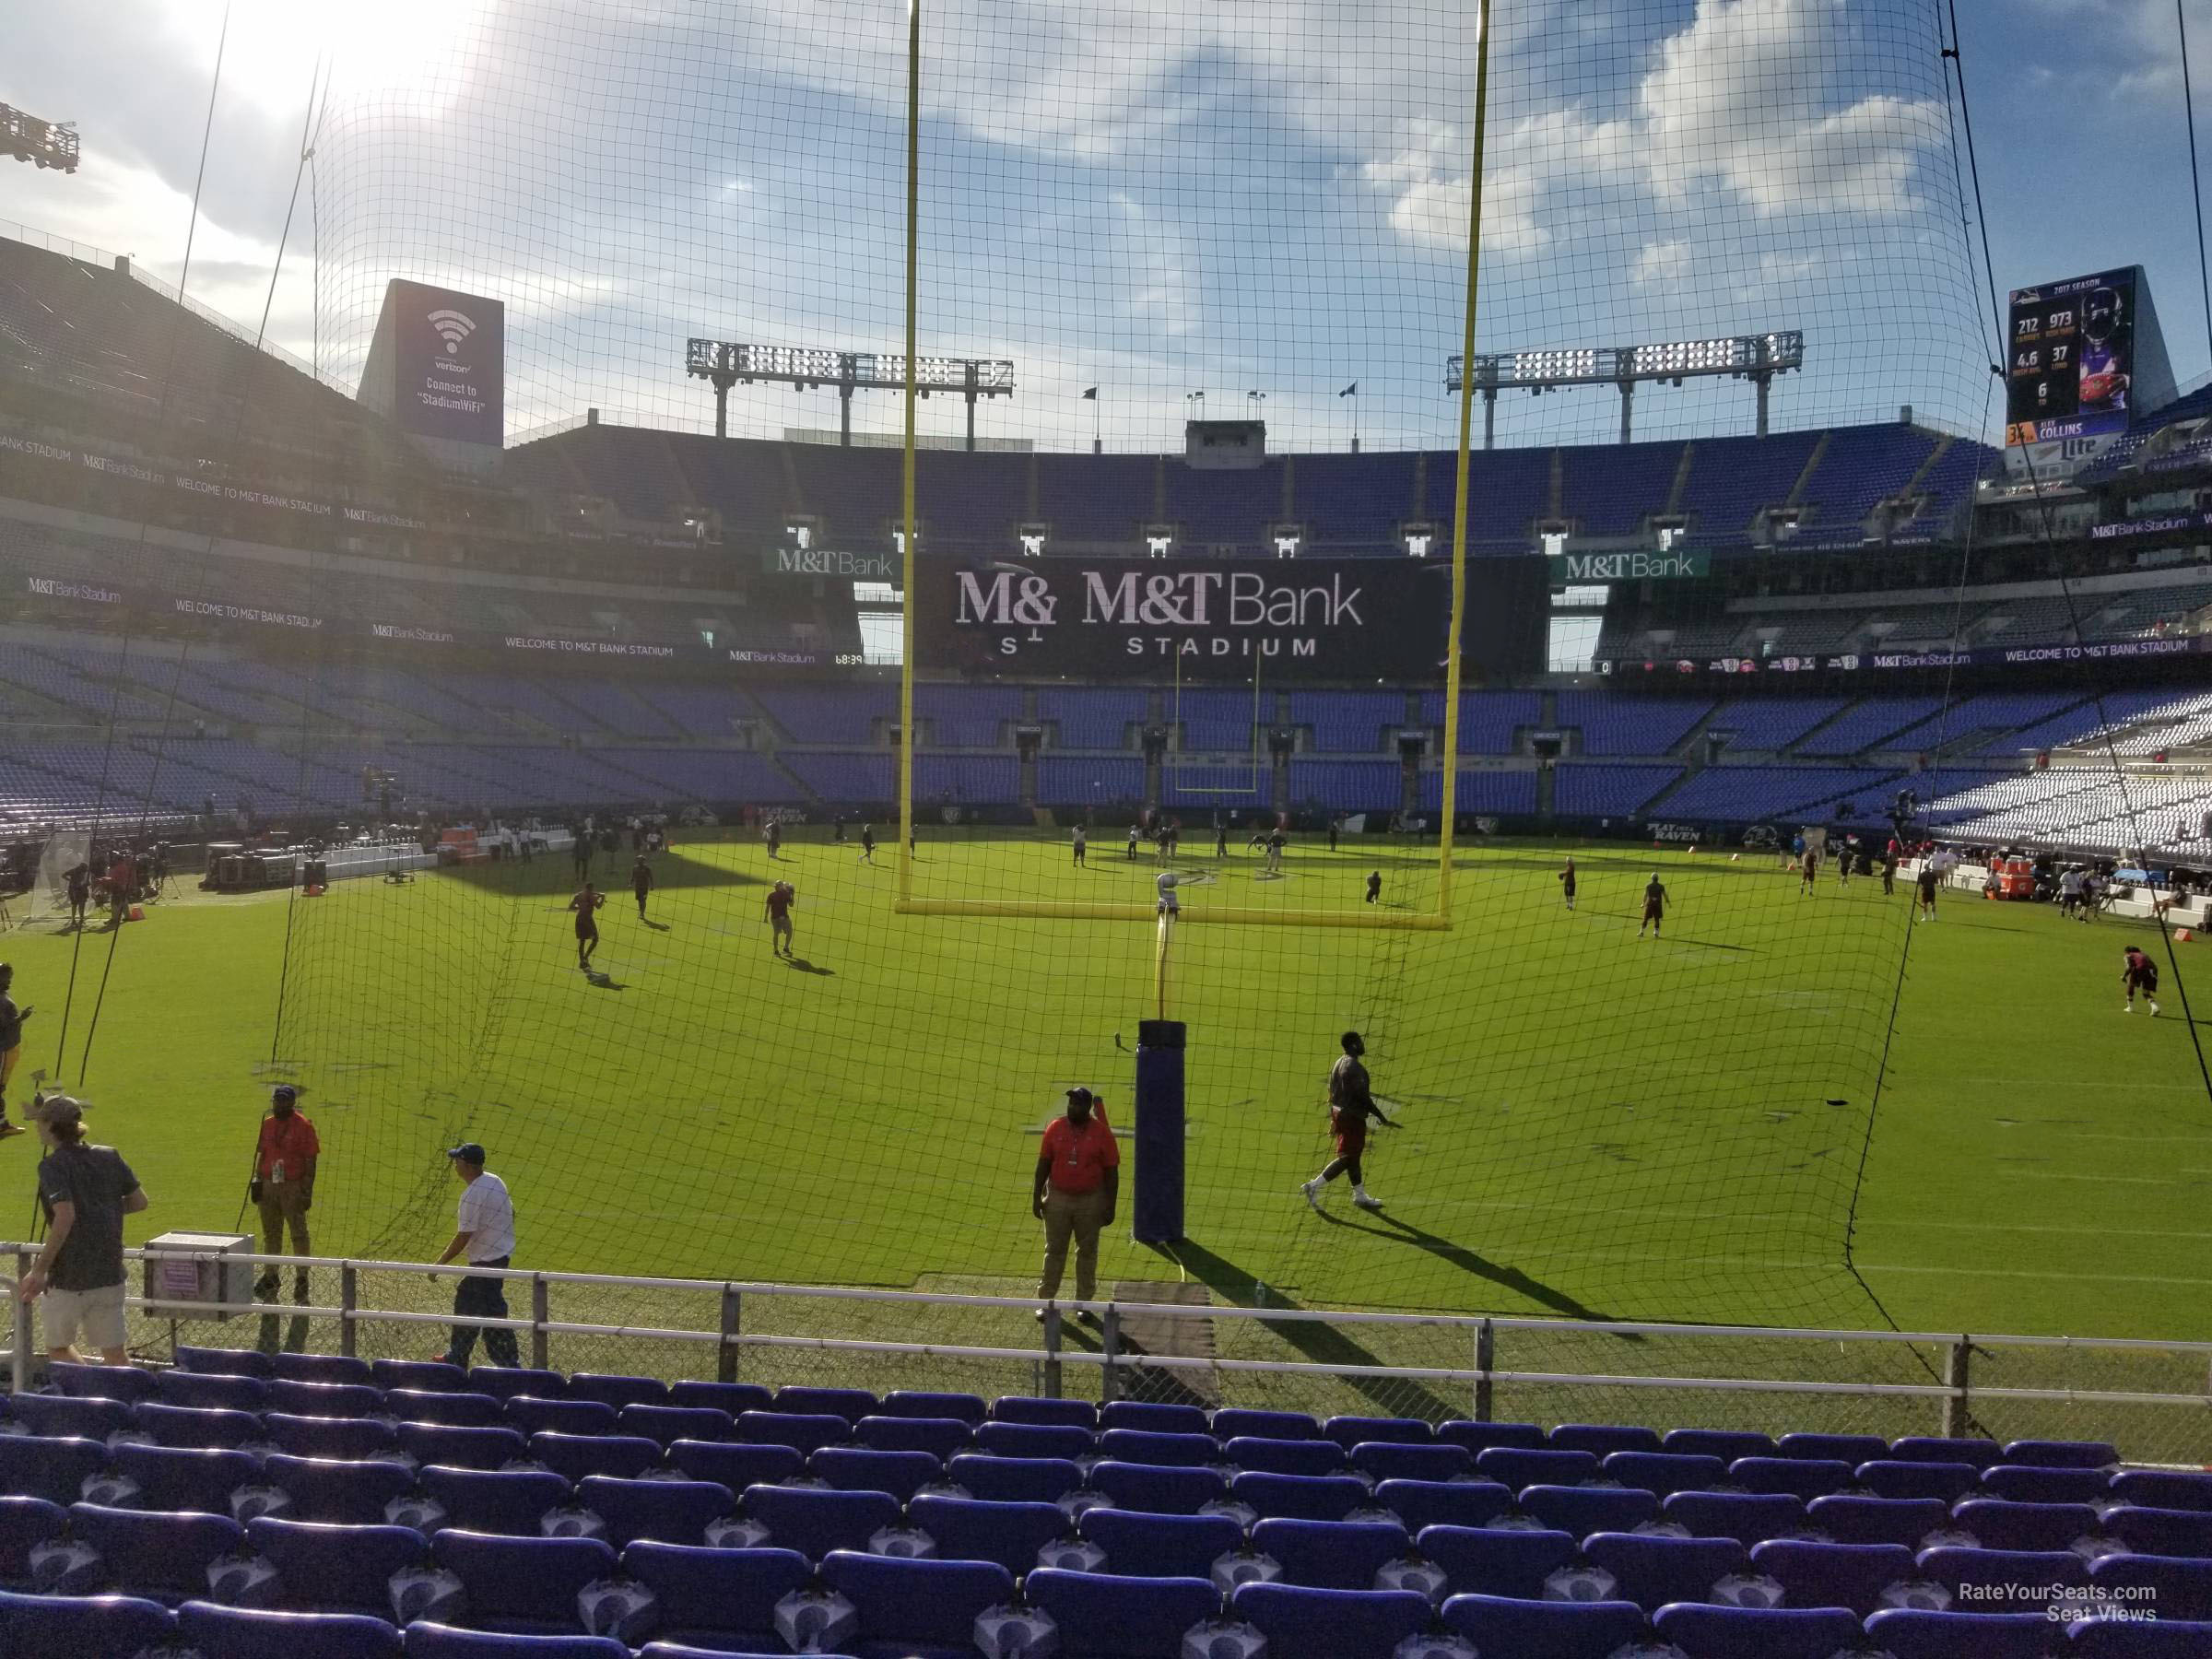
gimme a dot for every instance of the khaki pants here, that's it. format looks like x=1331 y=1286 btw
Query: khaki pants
x=282 y=1204
x=1079 y=1216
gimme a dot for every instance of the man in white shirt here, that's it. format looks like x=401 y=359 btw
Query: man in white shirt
x=485 y=1236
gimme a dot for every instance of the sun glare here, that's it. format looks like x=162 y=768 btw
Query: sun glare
x=273 y=44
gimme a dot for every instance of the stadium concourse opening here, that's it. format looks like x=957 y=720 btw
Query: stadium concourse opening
x=1159 y=637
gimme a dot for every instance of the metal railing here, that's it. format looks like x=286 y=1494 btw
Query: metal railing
x=2152 y=1398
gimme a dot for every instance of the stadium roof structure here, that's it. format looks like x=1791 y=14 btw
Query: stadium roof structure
x=150 y=363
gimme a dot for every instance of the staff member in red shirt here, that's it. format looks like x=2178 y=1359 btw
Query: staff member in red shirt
x=284 y=1183
x=1078 y=1180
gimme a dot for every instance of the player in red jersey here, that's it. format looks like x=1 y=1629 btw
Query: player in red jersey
x=1350 y=1105
x=777 y=909
x=2138 y=973
x=586 y=905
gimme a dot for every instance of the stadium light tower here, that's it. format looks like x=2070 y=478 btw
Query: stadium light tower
x=727 y=363
x=45 y=143
x=1756 y=358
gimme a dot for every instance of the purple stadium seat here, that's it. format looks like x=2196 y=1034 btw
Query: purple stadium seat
x=1316 y=1456
x=1153 y=1418
x=970 y=1529
x=1480 y=1560
x=1106 y=1616
x=1651 y=1570
x=728 y=1463
x=661 y=1512
x=1748 y=1517
x=83 y=1627
x=1946 y=1482
x=1330 y=1624
x=1015 y=1479
x=1850 y=1519
x=1911 y=1633
x=617 y=1391
x=1833 y=1575
x=1728 y=1444
x=1143 y=1546
x=723 y=1600
x=940 y=1437
x=1544 y=1630
x=522 y=1586
x=1516 y=1466
x=340 y=1569
x=495 y=1500
x=1479 y=1438
x=1758 y=1632
x=1802 y=1478
x=245 y=1633
x=53 y=1467
x=1665 y=1473
x=1330 y=1555
x=1162 y=1491
x=1602 y=1439
x=1420 y=1503
x=1580 y=1511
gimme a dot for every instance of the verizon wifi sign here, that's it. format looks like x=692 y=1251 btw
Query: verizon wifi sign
x=1136 y=620
x=438 y=365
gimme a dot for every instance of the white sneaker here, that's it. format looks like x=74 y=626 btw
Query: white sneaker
x=2154 y=1009
x=1313 y=1193
x=2127 y=1008
x=1366 y=1203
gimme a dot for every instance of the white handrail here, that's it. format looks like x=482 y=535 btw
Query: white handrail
x=1470 y=1323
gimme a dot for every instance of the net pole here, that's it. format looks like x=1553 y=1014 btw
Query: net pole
x=1262 y=763
x=1459 y=497
x=906 y=469
x=1159 y=966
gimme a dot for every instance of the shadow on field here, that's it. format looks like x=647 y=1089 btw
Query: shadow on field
x=556 y=873
x=1386 y=1226
x=803 y=966
x=1322 y=1344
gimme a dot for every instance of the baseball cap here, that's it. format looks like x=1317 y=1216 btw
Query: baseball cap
x=1081 y=1093
x=55 y=1108
x=284 y=1091
x=467 y=1152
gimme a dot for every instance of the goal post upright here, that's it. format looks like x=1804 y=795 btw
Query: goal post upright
x=906 y=469
x=1446 y=830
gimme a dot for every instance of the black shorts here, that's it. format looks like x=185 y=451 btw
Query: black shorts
x=1651 y=912
x=587 y=933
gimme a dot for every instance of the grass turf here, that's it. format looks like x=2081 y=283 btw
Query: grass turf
x=1594 y=1123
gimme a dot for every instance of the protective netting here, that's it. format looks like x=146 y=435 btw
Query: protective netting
x=1187 y=214
x=1195 y=211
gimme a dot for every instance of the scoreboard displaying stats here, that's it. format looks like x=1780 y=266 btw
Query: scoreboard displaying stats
x=2085 y=356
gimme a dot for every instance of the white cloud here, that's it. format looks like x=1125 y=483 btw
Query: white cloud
x=1662 y=263
x=1741 y=97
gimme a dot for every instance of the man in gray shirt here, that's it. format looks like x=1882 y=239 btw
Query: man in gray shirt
x=87 y=1191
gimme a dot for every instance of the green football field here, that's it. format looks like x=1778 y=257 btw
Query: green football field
x=1594 y=1123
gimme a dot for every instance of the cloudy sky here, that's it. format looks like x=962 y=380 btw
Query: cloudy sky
x=1153 y=198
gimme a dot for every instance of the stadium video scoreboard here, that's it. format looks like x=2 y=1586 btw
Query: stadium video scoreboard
x=2083 y=356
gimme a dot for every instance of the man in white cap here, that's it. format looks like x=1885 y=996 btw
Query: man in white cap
x=485 y=1234
x=85 y=1192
